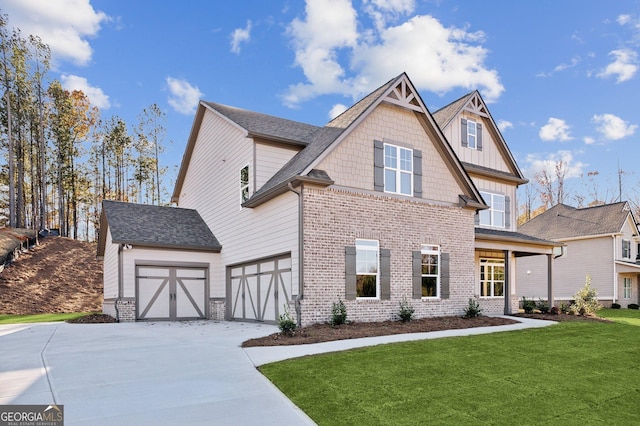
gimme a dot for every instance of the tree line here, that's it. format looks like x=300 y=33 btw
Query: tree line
x=63 y=158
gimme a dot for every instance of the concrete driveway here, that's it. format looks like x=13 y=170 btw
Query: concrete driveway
x=142 y=373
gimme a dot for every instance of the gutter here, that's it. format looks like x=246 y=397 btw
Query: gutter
x=120 y=281
x=300 y=295
x=615 y=272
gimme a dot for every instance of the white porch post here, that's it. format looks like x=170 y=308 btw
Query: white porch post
x=550 y=280
x=507 y=283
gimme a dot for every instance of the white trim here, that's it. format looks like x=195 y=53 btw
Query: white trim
x=432 y=249
x=364 y=247
x=398 y=170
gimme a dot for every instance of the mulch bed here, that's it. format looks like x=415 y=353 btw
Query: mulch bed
x=93 y=319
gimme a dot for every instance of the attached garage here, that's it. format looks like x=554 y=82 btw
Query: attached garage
x=259 y=290
x=157 y=262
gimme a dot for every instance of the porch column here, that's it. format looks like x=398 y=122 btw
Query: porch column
x=507 y=283
x=550 y=280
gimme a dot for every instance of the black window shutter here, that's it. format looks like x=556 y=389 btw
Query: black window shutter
x=444 y=275
x=385 y=274
x=464 y=133
x=479 y=137
x=378 y=166
x=417 y=173
x=350 y=273
x=507 y=212
x=417 y=275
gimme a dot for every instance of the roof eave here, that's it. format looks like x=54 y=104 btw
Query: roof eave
x=513 y=239
x=495 y=174
x=283 y=187
x=143 y=244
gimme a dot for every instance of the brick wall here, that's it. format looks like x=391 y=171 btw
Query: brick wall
x=335 y=218
x=217 y=309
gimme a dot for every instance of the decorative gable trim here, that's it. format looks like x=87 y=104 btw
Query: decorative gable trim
x=402 y=95
x=475 y=105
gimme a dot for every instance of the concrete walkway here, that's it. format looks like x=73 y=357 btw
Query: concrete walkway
x=162 y=373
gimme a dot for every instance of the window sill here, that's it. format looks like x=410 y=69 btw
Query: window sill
x=430 y=299
x=367 y=299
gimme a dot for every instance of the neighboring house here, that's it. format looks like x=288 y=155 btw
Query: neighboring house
x=601 y=243
x=372 y=208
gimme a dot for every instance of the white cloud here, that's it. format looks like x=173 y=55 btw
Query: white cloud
x=336 y=110
x=184 y=97
x=624 y=66
x=504 y=125
x=537 y=163
x=62 y=24
x=613 y=127
x=95 y=94
x=383 y=11
x=589 y=140
x=331 y=35
x=556 y=129
x=239 y=36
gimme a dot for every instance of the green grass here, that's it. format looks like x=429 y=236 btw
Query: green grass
x=572 y=373
x=20 y=319
x=627 y=316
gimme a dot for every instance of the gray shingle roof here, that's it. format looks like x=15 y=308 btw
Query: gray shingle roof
x=514 y=236
x=562 y=221
x=445 y=114
x=268 y=126
x=158 y=226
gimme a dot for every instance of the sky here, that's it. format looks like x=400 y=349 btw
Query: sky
x=561 y=78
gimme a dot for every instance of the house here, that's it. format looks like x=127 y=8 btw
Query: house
x=601 y=243
x=378 y=205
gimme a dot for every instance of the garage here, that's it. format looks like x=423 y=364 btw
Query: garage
x=171 y=292
x=258 y=290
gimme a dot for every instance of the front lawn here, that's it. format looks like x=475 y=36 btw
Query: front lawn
x=20 y=319
x=574 y=373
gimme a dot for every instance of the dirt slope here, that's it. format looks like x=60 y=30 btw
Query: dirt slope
x=59 y=275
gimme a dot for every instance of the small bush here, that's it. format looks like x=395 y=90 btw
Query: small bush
x=473 y=309
x=565 y=308
x=529 y=305
x=615 y=306
x=542 y=306
x=406 y=310
x=338 y=314
x=554 y=310
x=632 y=306
x=286 y=323
x=586 y=300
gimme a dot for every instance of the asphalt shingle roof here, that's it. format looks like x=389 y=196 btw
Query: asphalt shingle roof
x=445 y=114
x=562 y=221
x=158 y=226
x=512 y=236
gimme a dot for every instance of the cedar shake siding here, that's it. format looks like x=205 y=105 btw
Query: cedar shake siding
x=335 y=218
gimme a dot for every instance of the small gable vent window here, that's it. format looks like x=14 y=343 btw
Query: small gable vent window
x=626 y=249
x=471 y=135
x=244 y=184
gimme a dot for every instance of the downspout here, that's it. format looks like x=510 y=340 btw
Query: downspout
x=120 y=279
x=615 y=275
x=300 y=294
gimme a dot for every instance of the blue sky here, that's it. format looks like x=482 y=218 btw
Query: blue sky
x=560 y=77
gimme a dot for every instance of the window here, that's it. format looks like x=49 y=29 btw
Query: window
x=626 y=249
x=627 y=288
x=472 y=134
x=495 y=214
x=244 y=184
x=491 y=277
x=367 y=263
x=430 y=270
x=398 y=170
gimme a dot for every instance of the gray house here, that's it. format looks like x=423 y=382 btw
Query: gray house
x=601 y=243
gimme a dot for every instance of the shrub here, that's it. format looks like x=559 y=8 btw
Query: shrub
x=473 y=309
x=554 y=310
x=586 y=300
x=632 y=306
x=528 y=305
x=286 y=323
x=565 y=308
x=615 y=306
x=406 y=310
x=338 y=314
x=542 y=306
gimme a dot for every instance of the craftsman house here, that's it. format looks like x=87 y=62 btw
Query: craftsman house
x=601 y=243
x=384 y=202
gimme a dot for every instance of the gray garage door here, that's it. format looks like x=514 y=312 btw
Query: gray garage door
x=258 y=290
x=171 y=292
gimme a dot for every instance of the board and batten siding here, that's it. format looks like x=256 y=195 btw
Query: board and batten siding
x=212 y=187
x=490 y=156
x=593 y=257
x=497 y=187
x=269 y=158
x=350 y=164
x=110 y=268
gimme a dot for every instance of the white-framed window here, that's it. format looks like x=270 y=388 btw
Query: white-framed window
x=495 y=214
x=244 y=184
x=626 y=288
x=398 y=170
x=367 y=267
x=472 y=134
x=626 y=249
x=430 y=271
x=492 y=277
